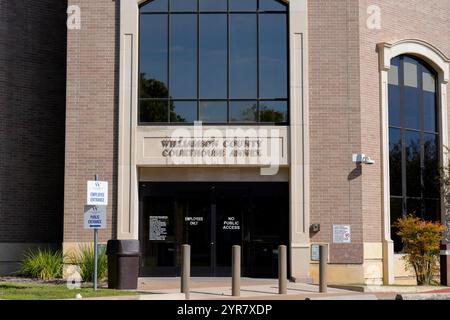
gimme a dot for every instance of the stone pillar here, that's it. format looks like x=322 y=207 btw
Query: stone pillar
x=299 y=144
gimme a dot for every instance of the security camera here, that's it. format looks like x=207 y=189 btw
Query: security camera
x=368 y=160
x=362 y=159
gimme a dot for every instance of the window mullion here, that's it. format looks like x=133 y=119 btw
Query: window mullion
x=403 y=136
x=228 y=60
x=168 y=61
x=422 y=136
x=198 y=60
x=258 y=40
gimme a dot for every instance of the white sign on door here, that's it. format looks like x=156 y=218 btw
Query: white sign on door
x=97 y=193
x=95 y=217
x=342 y=233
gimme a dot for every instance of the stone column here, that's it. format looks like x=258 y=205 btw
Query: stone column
x=299 y=141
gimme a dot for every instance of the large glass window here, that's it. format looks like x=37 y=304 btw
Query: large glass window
x=413 y=141
x=215 y=61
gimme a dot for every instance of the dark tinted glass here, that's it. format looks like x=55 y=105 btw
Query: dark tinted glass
x=155 y=6
x=153 y=111
x=396 y=213
x=394 y=93
x=213 y=112
x=431 y=166
x=183 y=5
x=412 y=108
x=273 y=56
x=429 y=100
x=271 y=5
x=243 y=111
x=213 y=5
x=413 y=181
x=161 y=252
x=208 y=64
x=243 y=56
x=414 y=207
x=183 y=111
x=273 y=111
x=394 y=106
x=395 y=162
x=430 y=121
x=150 y=88
x=411 y=82
x=396 y=62
x=432 y=210
x=183 y=55
x=213 y=56
x=198 y=235
x=153 y=52
x=243 y=5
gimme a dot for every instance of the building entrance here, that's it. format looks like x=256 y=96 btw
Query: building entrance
x=212 y=217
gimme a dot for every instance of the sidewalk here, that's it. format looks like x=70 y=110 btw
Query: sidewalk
x=267 y=289
x=251 y=289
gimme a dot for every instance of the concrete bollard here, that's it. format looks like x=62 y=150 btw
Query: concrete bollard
x=185 y=269
x=323 y=266
x=282 y=270
x=236 y=271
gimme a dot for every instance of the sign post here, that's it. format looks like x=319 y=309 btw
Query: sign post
x=95 y=257
x=95 y=214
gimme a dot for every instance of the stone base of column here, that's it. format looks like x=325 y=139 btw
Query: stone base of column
x=445 y=265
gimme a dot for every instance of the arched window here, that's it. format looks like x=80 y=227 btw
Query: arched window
x=413 y=141
x=215 y=61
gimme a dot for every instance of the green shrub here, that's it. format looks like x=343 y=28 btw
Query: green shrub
x=84 y=259
x=43 y=264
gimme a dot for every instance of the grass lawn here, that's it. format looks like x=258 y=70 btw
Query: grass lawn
x=33 y=291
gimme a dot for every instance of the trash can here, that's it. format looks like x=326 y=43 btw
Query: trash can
x=123 y=264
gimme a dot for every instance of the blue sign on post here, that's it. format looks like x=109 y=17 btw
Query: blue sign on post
x=94 y=217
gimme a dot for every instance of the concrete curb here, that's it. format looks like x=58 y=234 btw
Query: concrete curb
x=163 y=296
x=423 y=296
x=143 y=297
x=387 y=289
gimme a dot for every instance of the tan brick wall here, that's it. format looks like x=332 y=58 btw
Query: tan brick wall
x=92 y=109
x=335 y=123
x=407 y=19
x=345 y=108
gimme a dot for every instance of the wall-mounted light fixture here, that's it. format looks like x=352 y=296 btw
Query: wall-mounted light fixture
x=315 y=228
x=362 y=159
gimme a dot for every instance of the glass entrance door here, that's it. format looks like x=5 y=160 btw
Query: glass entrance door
x=194 y=210
x=212 y=217
x=231 y=208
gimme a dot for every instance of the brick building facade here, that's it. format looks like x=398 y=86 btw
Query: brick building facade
x=341 y=70
x=339 y=73
x=32 y=107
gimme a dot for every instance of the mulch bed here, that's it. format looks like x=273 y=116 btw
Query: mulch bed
x=11 y=279
x=31 y=280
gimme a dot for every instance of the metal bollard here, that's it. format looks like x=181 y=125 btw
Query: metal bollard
x=323 y=265
x=236 y=271
x=282 y=270
x=185 y=269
